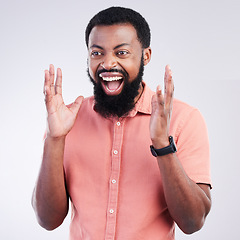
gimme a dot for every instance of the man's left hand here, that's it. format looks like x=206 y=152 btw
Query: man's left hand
x=161 y=112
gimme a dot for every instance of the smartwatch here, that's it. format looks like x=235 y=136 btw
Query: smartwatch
x=171 y=148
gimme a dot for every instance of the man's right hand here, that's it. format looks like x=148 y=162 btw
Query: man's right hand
x=60 y=118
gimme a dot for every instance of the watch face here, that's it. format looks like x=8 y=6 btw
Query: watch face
x=172 y=143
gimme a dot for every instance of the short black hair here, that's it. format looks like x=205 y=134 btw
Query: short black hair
x=119 y=15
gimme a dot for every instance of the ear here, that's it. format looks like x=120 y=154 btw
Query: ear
x=147 y=52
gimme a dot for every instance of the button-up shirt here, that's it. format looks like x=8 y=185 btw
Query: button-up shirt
x=114 y=182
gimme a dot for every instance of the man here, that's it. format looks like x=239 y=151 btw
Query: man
x=97 y=150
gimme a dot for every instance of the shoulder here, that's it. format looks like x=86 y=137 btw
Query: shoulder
x=87 y=104
x=183 y=110
x=185 y=116
x=180 y=106
x=88 y=100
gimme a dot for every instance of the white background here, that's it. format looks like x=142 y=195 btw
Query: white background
x=199 y=39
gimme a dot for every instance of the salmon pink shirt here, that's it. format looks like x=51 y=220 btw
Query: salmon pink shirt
x=113 y=180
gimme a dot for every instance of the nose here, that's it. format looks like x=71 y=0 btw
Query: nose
x=109 y=62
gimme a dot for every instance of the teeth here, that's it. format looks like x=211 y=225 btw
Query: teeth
x=110 y=79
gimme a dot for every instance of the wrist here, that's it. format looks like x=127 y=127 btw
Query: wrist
x=170 y=148
x=50 y=138
x=160 y=142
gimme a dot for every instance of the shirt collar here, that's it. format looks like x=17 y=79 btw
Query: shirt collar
x=143 y=105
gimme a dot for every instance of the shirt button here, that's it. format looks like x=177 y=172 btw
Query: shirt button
x=111 y=211
x=118 y=123
x=114 y=181
x=115 y=152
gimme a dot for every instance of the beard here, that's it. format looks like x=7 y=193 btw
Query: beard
x=121 y=104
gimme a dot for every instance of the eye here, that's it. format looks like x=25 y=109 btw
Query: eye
x=96 y=54
x=122 y=53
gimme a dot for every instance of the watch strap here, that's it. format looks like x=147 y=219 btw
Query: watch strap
x=171 y=148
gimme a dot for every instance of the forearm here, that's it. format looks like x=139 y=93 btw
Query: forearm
x=50 y=200
x=188 y=204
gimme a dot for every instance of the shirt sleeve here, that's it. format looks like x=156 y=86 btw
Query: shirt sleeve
x=193 y=147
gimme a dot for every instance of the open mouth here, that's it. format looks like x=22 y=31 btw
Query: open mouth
x=112 y=82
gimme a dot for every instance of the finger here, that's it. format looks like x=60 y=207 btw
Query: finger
x=169 y=87
x=58 y=84
x=76 y=105
x=51 y=77
x=47 y=81
x=160 y=97
x=47 y=88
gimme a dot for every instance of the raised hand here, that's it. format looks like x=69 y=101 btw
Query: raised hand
x=60 y=118
x=161 y=112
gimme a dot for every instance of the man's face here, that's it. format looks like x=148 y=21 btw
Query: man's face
x=115 y=66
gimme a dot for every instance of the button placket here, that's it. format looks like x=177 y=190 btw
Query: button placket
x=114 y=180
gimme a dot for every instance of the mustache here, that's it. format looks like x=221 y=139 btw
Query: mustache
x=124 y=73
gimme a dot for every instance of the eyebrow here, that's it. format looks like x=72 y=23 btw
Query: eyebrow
x=121 y=45
x=96 y=46
x=118 y=46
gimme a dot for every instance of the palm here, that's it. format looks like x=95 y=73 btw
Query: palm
x=60 y=117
